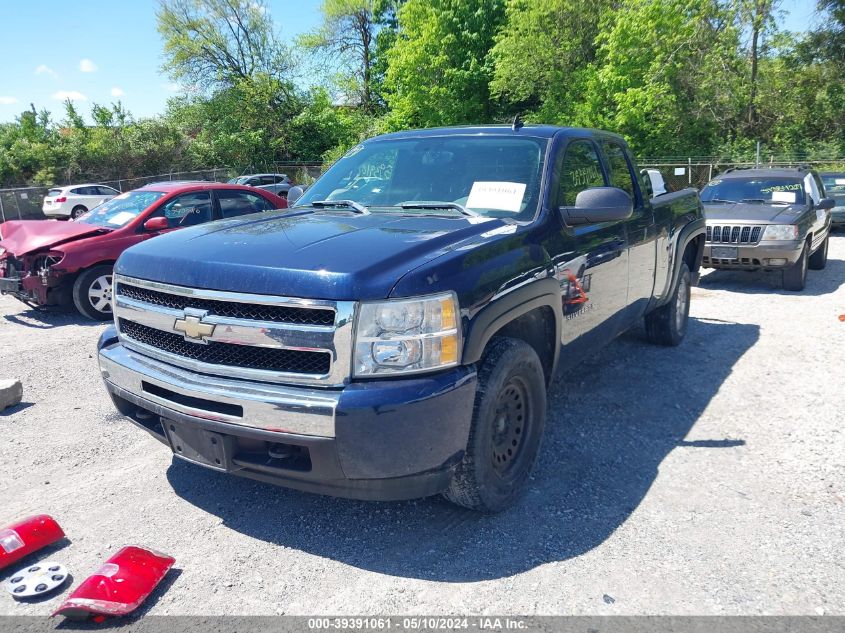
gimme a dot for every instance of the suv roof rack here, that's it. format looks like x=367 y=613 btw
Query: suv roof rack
x=798 y=166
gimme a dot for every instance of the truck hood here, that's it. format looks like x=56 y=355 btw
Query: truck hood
x=753 y=213
x=323 y=255
x=21 y=237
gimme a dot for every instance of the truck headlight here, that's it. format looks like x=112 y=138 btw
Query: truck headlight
x=407 y=336
x=781 y=232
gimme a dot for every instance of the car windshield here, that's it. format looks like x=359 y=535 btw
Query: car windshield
x=121 y=210
x=754 y=190
x=493 y=176
x=834 y=183
x=239 y=180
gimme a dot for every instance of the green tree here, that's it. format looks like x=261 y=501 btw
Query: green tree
x=213 y=43
x=348 y=37
x=668 y=75
x=439 y=67
x=542 y=54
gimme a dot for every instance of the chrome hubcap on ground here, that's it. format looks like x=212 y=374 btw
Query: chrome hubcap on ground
x=509 y=424
x=99 y=293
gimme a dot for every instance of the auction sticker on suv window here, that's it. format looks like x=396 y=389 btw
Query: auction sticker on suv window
x=502 y=196
x=783 y=196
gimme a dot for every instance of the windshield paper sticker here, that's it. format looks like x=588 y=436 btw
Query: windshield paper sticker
x=121 y=218
x=839 y=181
x=783 y=196
x=502 y=196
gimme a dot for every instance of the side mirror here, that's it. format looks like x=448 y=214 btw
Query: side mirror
x=156 y=224
x=599 y=204
x=826 y=203
x=294 y=194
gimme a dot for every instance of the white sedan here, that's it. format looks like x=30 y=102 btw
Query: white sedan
x=74 y=200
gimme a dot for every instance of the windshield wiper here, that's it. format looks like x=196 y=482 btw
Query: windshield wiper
x=439 y=205
x=720 y=200
x=357 y=207
x=764 y=201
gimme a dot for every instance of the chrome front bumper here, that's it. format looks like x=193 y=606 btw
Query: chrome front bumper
x=254 y=405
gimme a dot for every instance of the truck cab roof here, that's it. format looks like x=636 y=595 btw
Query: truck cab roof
x=528 y=129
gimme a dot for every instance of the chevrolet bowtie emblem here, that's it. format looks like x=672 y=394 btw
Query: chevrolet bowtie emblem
x=193 y=328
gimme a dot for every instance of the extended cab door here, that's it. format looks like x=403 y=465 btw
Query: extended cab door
x=640 y=227
x=590 y=260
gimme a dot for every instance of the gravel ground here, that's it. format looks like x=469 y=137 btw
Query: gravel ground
x=706 y=479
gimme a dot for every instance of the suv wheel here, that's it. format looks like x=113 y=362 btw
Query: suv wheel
x=92 y=293
x=78 y=211
x=818 y=260
x=667 y=325
x=795 y=277
x=507 y=428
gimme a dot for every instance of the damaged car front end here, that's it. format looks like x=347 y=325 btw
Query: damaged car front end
x=36 y=279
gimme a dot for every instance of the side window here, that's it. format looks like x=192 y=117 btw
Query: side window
x=812 y=188
x=819 y=185
x=268 y=180
x=234 y=203
x=106 y=191
x=189 y=209
x=620 y=171
x=281 y=178
x=253 y=182
x=579 y=170
x=79 y=191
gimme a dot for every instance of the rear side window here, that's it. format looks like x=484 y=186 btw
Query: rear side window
x=106 y=191
x=620 y=171
x=579 y=170
x=235 y=203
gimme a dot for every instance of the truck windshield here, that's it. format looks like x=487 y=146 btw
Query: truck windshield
x=121 y=210
x=493 y=176
x=754 y=190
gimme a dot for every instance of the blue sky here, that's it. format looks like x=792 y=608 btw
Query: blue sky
x=104 y=50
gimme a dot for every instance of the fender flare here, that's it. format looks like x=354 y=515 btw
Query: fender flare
x=499 y=312
x=686 y=235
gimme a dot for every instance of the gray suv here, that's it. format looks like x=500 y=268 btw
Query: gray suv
x=771 y=219
x=279 y=184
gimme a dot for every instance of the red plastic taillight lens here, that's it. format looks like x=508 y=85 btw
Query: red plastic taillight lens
x=62 y=199
x=120 y=585
x=27 y=536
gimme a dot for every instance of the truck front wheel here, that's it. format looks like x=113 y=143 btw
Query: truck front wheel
x=667 y=325
x=507 y=428
x=795 y=277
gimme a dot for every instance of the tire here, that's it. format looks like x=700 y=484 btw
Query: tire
x=818 y=260
x=667 y=325
x=77 y=211
x=795 y=277
x=507 y=428
x=92 y=293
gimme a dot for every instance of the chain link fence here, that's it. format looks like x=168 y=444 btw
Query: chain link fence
x=681 y=173
x=24 y=203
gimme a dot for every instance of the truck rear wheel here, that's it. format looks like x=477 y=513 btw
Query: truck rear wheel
x=795 y=277
x=507 y=428
x=667 y=324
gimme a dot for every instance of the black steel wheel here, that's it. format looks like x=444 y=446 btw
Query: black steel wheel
x=507 y=428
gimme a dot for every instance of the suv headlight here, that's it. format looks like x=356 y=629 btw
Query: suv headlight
x=781 y=232
x=407 y=336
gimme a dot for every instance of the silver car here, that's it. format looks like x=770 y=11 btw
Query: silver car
x=279 y=184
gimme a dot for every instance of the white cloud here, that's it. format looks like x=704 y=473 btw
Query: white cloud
x=73 y=95
x=117 y=92
x=44 y=69
x=87 y=66
x=8 y=100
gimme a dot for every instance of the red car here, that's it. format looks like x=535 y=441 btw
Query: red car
x=59 y=263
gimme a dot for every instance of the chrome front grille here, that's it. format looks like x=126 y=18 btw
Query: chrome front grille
x=238 y=335
x=720 y=234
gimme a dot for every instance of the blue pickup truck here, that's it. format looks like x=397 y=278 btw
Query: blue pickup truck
x=392 y=334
